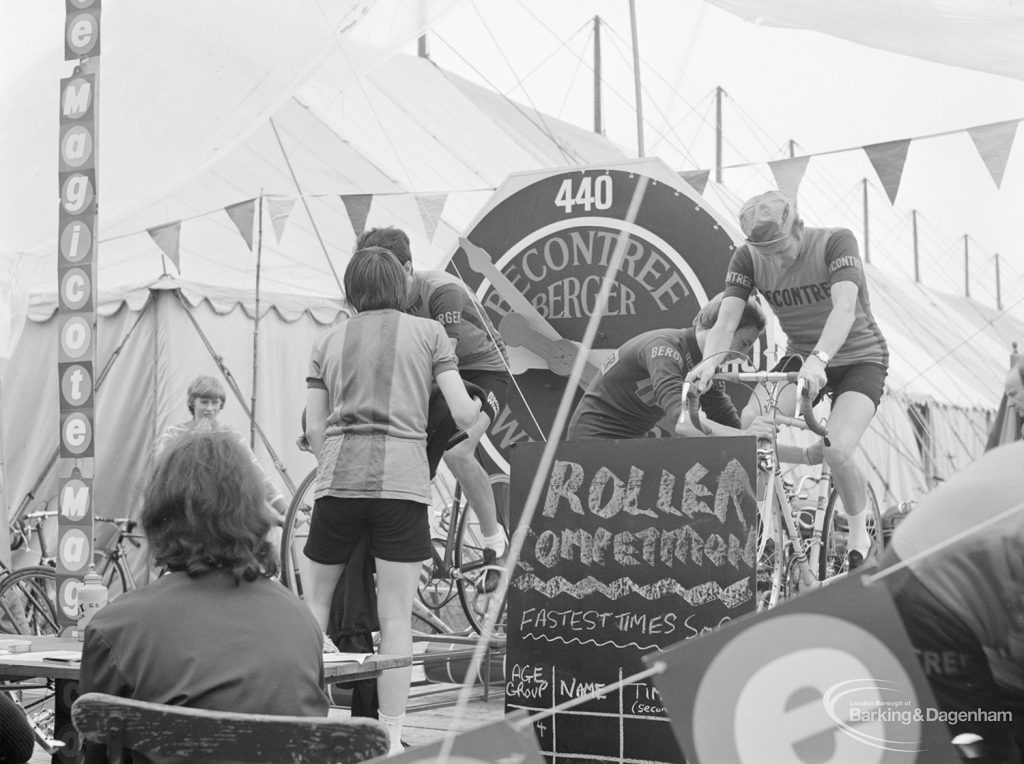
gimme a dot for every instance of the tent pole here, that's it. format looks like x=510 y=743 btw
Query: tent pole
x=597 y=75
x=256 y=327
x=636 y=82
x=999 y=287
x=719 y=92
x=230 y=379
x=99 y=381
x=917 y=269
x=867 y=238
x=5 y=536
x=312 y=220
x=967 y=269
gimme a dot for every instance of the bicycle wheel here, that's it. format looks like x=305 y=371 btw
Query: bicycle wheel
x=296 y=518
x=28 y=602
x=111 y=569
x=436 y=587
x=469 y=551
x=832 y=560
x=425 y=622
x=772 y=554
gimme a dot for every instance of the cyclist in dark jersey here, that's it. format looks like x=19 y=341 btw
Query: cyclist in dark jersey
x=814 y=280
x=963 y=604
x=482 y=360
x=641 y=383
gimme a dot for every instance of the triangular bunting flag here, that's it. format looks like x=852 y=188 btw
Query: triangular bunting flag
x=994 y=143
x=358 y=208
x=430 y=210
x=788 y=174
x=696 y=178
x=280 y=208
x=168 y=238
x=242 y=215
x=888 y=159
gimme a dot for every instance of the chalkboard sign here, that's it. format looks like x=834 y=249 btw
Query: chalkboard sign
x=635 y=545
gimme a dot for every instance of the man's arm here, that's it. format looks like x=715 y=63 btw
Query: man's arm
x=720 y=417
x=465 y=410
x=317 y=411
x=717 y=342
x=447 y=304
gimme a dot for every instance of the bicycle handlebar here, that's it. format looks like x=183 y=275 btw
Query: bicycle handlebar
x=691 y=400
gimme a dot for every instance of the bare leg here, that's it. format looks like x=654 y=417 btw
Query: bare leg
x=473 y=478
x=851 y=415
x=396 y=587
x=320 y=589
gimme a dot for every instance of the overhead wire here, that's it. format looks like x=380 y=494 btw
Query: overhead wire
x=618 y=42
x=543 y=127
x=566 y=152
x=579 y=63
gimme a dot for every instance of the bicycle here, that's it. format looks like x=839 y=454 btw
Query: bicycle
x=458 y=561
x=28 y=599
x=28 y=607
x=799 y=547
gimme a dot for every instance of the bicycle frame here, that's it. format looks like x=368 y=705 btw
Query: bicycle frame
x=775 y=502
x=444 y=566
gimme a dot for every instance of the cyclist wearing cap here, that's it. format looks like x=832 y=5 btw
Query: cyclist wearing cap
x=641 y=382
x=482 y=360
x=814 y=281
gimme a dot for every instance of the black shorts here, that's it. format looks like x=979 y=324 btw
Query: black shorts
x=440 y=425
x=866 y=378
x=399 y=529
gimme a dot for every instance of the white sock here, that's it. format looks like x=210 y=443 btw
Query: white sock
x=393 y=724
x=495 y=542
x=858 y=538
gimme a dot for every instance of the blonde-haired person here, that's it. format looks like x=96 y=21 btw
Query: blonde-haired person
x=205 y=398
x=366 y=415
x=641 y=382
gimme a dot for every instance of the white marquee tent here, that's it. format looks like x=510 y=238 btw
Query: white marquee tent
x=306 y=111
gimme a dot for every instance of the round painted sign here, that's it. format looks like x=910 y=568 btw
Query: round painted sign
x=537 y=258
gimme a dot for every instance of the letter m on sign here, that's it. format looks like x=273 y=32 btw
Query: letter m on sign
x=76 y=97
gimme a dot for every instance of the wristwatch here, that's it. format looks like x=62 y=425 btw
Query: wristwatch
x=822 y=356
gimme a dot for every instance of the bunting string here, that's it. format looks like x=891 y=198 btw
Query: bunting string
x=993 y=142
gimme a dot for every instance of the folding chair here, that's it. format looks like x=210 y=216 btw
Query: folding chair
x=175 y=733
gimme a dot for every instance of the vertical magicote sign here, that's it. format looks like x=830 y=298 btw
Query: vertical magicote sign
x=76 y=307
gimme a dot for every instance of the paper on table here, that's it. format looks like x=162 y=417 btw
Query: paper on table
x=62 y=656
x=346 y=657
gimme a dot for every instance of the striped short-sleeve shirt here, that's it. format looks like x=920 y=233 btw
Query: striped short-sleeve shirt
x=377 y=368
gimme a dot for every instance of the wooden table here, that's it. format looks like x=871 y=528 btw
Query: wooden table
x=65 y=676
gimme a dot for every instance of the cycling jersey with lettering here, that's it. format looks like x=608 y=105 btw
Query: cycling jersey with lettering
x=963 y=603
x=442 y=297
x=641 y=383
x=376 y=368
x=801 y=294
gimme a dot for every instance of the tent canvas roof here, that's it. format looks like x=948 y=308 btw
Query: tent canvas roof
x=408 y=131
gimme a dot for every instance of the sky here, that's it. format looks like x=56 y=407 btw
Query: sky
x=824 y=93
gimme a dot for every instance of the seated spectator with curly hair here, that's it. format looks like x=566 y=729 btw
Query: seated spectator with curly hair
x=216 y=631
